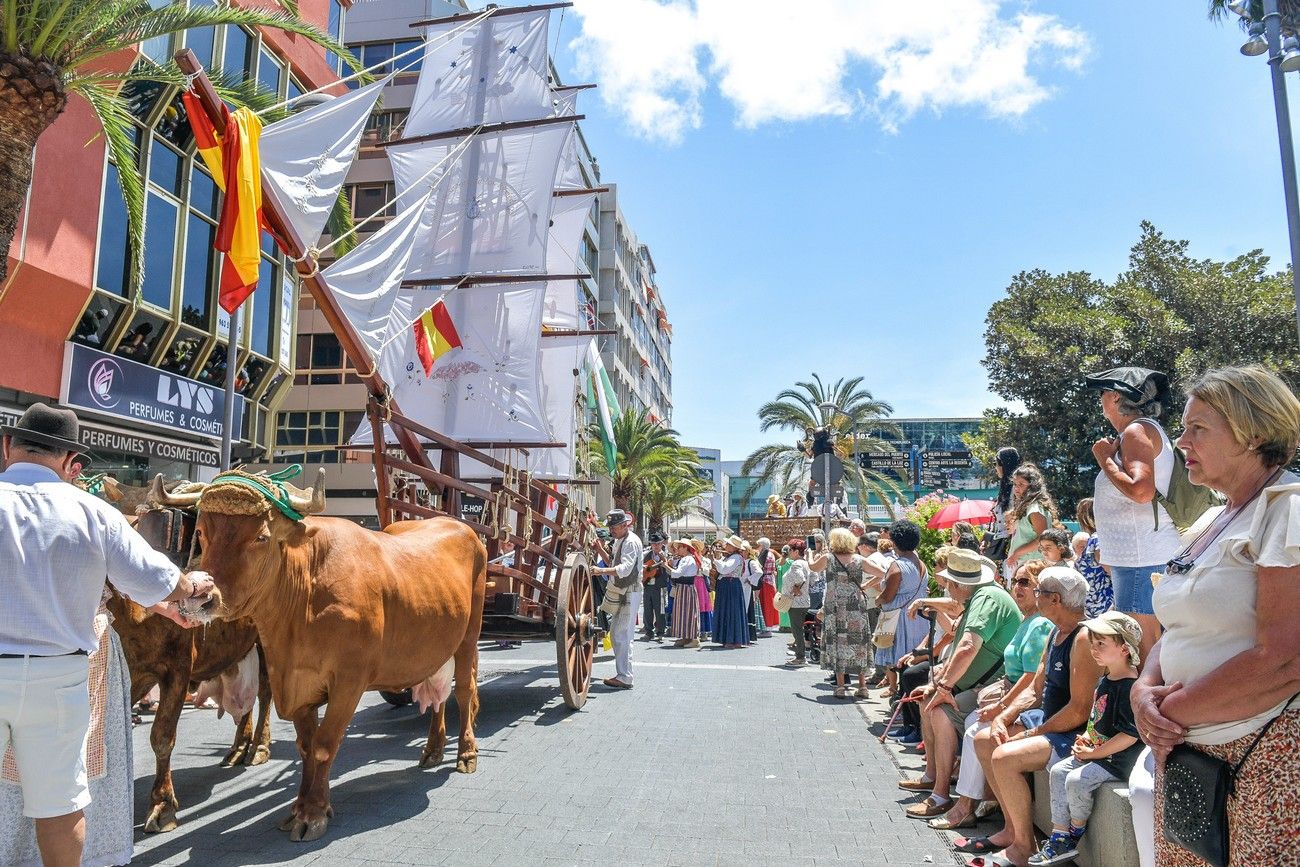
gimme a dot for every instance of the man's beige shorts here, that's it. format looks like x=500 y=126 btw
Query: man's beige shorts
x=45 y=714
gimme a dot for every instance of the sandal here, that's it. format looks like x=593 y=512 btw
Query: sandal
x=860 y=692
x=929 y=808
x=974 y=845
x=943 y=824
x=841 y=692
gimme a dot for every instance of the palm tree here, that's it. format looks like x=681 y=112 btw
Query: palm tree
x=53 y=49
x=669 y=496
x=856 y=417
x=646 y=450
x=1290 y=10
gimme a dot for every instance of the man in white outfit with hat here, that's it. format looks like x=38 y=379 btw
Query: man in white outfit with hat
x=624 y=584
x=58 y=544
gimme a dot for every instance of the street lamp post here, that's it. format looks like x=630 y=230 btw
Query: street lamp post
x=828 y=416
x=1282 y=111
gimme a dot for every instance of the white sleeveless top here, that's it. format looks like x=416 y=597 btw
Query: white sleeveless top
x=1127 y=529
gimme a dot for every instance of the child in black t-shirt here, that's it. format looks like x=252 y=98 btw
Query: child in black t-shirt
x=1107 y=749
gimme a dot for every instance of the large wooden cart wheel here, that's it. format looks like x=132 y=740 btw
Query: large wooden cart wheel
x=575 y=629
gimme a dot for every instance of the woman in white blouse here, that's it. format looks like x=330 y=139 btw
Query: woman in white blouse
x=682 y=571
x=1228 y=662
x=798 y=585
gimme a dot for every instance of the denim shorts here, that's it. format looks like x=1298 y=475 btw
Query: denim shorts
x=1133 y=588
x=1062 y=742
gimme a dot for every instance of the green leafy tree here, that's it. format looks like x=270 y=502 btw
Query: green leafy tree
x=672 y=495
x=647 y=454
x=1167 y=311
x=54 y=50
x=857 y=419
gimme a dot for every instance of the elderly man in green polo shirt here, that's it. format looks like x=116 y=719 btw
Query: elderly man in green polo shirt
x=988 y=623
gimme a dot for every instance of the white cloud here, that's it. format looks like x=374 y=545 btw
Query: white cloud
x=789 y=61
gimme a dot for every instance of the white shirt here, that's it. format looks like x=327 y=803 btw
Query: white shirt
x=729 y=566
x=1209 y=613
x=1127 y=529
x=798 y=574
x=685 y=568
x=58 y=545
x=627 y=561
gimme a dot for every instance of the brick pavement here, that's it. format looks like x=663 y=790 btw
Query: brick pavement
x=715 y=757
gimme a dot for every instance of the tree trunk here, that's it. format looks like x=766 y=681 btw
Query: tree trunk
x=32 y=96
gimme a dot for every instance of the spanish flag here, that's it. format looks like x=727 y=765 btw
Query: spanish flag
x=231 y=155
x=435 y=336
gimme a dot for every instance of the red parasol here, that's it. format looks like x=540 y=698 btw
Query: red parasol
x=970 y=511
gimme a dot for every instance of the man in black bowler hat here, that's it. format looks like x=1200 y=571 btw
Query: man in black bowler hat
x=58 y=544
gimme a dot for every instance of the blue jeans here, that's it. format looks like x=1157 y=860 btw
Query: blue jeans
x=1133 y=588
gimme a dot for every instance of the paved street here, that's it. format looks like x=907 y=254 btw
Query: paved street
x=715 y=757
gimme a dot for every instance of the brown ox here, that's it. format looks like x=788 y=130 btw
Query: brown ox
x=160 y=652
x=341 y=610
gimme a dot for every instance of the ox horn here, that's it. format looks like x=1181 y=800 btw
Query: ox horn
x=309 y=501
x=158 y=495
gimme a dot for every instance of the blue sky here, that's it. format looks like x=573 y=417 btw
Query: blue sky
x=835 y=245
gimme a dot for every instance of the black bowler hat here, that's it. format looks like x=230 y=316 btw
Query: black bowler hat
x=1138 y=384
x=657 y=536
x=47 y=426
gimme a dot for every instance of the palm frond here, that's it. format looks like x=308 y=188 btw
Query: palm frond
x=116 y=121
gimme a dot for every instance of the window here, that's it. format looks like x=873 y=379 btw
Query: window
x=199 y=275
x=372 y=54
x=322 y=361
x=369 y=200
x=334 y=26
x=239 y=53
x=589 y=255
x=315 y=433
x=270 y=72
x=384 y=126
x=159 y=250
x=110 y=273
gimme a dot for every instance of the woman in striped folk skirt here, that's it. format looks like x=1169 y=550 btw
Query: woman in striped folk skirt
x=686 y=601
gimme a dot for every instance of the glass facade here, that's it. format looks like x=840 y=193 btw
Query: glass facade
x=175 y=325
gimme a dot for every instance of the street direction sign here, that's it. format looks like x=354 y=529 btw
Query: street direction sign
x=945 y=459
x=884 y=461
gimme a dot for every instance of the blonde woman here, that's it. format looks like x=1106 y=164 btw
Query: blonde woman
x=1223 y=677
x=846 y=641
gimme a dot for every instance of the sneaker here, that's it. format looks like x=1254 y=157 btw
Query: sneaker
x=910 y=740
x=899 y=731
x=1057 y=849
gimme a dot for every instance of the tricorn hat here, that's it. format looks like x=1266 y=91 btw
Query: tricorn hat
x=1138 y=384
x=47 y=426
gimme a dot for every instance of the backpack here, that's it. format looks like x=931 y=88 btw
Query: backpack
x=1185 y=501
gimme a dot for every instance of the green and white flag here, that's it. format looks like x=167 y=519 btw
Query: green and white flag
x=601 y=400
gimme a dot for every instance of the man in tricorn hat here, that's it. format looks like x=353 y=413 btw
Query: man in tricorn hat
x=624 y=571
x=57 y=544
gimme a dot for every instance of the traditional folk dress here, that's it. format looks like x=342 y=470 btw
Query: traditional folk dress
x=704 y=597
x=729 y=624
x=767 y=593
x=686 y=601
x=109 y=767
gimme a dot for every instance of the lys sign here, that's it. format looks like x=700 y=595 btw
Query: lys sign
x=186 y=394
x=109 y=385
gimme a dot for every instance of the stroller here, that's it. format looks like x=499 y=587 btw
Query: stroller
x=812 y=637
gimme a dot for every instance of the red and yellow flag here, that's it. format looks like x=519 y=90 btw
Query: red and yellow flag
x=435 y=336
x=232 y=157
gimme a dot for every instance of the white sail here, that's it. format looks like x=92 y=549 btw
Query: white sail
x=561 y=366
x=306 y=157
x=367 y=283
x=492 y=72
x=569 y=176
x=490 y=212
x=564 y=256
x=486 y=389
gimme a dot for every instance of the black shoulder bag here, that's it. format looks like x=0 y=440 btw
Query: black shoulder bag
x=1197 y=789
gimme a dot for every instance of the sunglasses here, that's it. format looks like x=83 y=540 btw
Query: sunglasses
x=1022 y=582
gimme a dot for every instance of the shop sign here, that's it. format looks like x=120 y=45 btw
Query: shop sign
x=99 y=440
x=108 y=385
